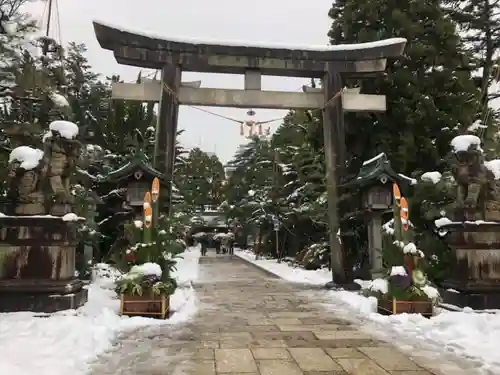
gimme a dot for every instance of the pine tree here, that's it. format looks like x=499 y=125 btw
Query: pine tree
x=430 y=94
x=200 y=179
x=479 y=25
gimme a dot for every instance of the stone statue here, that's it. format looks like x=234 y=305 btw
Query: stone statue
x=478 y=193
x=39 y=181
x=26 y=185
x=62 y=155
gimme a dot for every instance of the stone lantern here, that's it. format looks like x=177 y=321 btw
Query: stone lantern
x=374 y=181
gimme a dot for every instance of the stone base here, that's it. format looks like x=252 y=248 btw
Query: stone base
x=477 y=297
x=42 y=302
x=45 y=296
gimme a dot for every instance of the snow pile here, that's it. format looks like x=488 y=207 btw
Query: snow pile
x=146 y=269
x=433 y=177
x=465 y=142
x=284 y=271
x=477 y=125
x=72 y=217
x=27 y=156
x=465 y=334
x=65 y=342
x=494 y=167
x=65 y=129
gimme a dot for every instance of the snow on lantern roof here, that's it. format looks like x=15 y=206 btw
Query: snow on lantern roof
x=377 y=171
x=137 y=163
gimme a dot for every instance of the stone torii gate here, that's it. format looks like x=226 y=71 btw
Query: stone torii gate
x=332 y=64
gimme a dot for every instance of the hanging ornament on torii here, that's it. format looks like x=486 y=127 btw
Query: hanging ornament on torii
x=255 y=127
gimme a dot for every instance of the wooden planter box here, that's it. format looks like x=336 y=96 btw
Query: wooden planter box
x=393 y=306
x=149 y=306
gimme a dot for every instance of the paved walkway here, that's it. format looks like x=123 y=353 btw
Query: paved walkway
x=252 y=324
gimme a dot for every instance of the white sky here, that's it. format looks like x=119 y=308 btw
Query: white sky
x=295 y=22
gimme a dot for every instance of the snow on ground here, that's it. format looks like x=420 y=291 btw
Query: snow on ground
x=465 y=334
x=284 y=271
x=65 y=342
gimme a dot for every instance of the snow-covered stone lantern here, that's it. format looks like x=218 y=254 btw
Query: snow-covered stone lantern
x=375 y=180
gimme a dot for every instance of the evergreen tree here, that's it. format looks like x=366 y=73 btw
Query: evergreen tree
x=200 y=179
x=479 y=25
x=430 y=94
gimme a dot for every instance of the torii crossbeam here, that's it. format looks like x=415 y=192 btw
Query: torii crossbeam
x=330 y=63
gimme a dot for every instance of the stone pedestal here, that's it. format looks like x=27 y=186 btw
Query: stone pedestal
x=37 y=265
x=475 y=280
x=375 y=245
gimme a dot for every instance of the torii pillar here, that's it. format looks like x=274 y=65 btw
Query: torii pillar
x=332 y=64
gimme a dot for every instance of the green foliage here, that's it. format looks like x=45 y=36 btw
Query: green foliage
x=199 y=178
x=139 y=284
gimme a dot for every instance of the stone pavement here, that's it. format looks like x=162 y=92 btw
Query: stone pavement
x=251 y=324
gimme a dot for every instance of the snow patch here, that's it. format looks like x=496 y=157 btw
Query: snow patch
x=494 y=167
x=66 y=129
x=284 y=271
x=59 y=100
x=433 y=177
x=146 y=269
x=369 y=161
x=27 y=156
x=398 y=271
x=338 y=47
x=66 y=342
x=464 y=142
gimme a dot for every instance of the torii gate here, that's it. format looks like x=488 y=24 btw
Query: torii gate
x=330 y=63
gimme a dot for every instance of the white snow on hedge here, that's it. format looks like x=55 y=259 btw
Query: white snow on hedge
x=433 y=177
x=146 y=269
x=66 y=342
x=444 y=342
x=27 y=156
x=494 y=167
x=465 y=142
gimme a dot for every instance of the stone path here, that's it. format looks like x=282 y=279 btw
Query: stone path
x=252 y=324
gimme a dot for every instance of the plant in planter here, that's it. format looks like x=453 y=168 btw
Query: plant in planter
x=145 y=289
x=406 y=288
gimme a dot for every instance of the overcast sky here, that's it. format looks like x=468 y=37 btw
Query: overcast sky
x=295 y=22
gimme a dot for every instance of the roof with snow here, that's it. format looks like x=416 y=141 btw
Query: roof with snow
x=149 y=51
x=137 y=163
x=373 y=171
